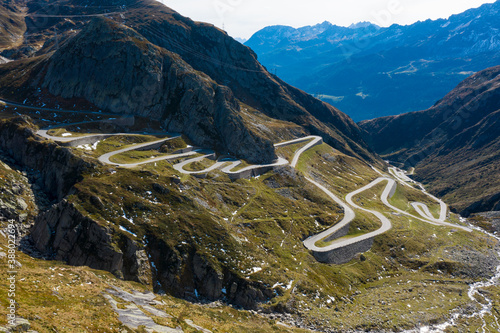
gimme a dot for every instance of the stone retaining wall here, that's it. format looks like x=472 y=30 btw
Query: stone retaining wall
x=344 y=254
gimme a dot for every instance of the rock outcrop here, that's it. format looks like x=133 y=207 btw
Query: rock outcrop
x=58 y=167
x=188 y=274
x=117 y=69
x=64 y=233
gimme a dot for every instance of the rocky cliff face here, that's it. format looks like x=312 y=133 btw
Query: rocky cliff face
x=119 y=70
x=453 y=145
x=64 y=233
x=58 y=168
x=17 y=201
x=188 y=274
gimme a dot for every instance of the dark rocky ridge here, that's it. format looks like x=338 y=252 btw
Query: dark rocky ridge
x=120 y=71
x=59 y=168
x=64 y=233
x=454 y=145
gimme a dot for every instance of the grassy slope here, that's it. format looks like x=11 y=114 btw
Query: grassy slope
x=56 y=297
x=12 y=25
x=260 y=223
x=404 y=196
x=454 y=145
x=475 y=178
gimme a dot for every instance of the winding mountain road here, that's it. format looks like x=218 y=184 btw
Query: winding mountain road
x=252 y=170
x=143 y=146
x=421 y=208
x=349 y=215
x=44 y=109
x=227 y=165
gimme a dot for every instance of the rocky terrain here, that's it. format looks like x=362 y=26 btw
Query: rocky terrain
x=453 y=145
x=177 y=57
x=108 y=247
x=368 y=71
x=488 y=220
x=12 y=24
x=232 y=242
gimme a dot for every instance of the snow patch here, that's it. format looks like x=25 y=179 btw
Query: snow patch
x=256 y=269
x=122 y=228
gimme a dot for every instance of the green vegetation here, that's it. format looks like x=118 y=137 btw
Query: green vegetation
x=272 y=129
x=181 y=159
x=404 y=196
x=136 y=156
x=200 y=165
x=173 y=145
x=341 y=173
x=63 y=132
x=118 y=142
x=361 y=225
x=287 y=152
x=254 y=229
x=240 y=166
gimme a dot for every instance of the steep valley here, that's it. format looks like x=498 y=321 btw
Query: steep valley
x=235 y=242
x=453 y=145
x=157 y=178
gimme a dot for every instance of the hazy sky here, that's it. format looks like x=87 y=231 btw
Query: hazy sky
x=242 y=18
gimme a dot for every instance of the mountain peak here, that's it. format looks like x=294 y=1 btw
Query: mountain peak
x=364 y=24
x=418 y=63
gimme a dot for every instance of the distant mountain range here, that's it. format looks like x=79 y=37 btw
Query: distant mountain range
x=368 y=71
x=454 y=146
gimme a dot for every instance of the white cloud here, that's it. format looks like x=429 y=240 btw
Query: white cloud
x=242 y=18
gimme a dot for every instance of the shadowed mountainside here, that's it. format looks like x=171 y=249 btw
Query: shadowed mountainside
x=454 y=145
x=12 y=25
x=240 y=82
